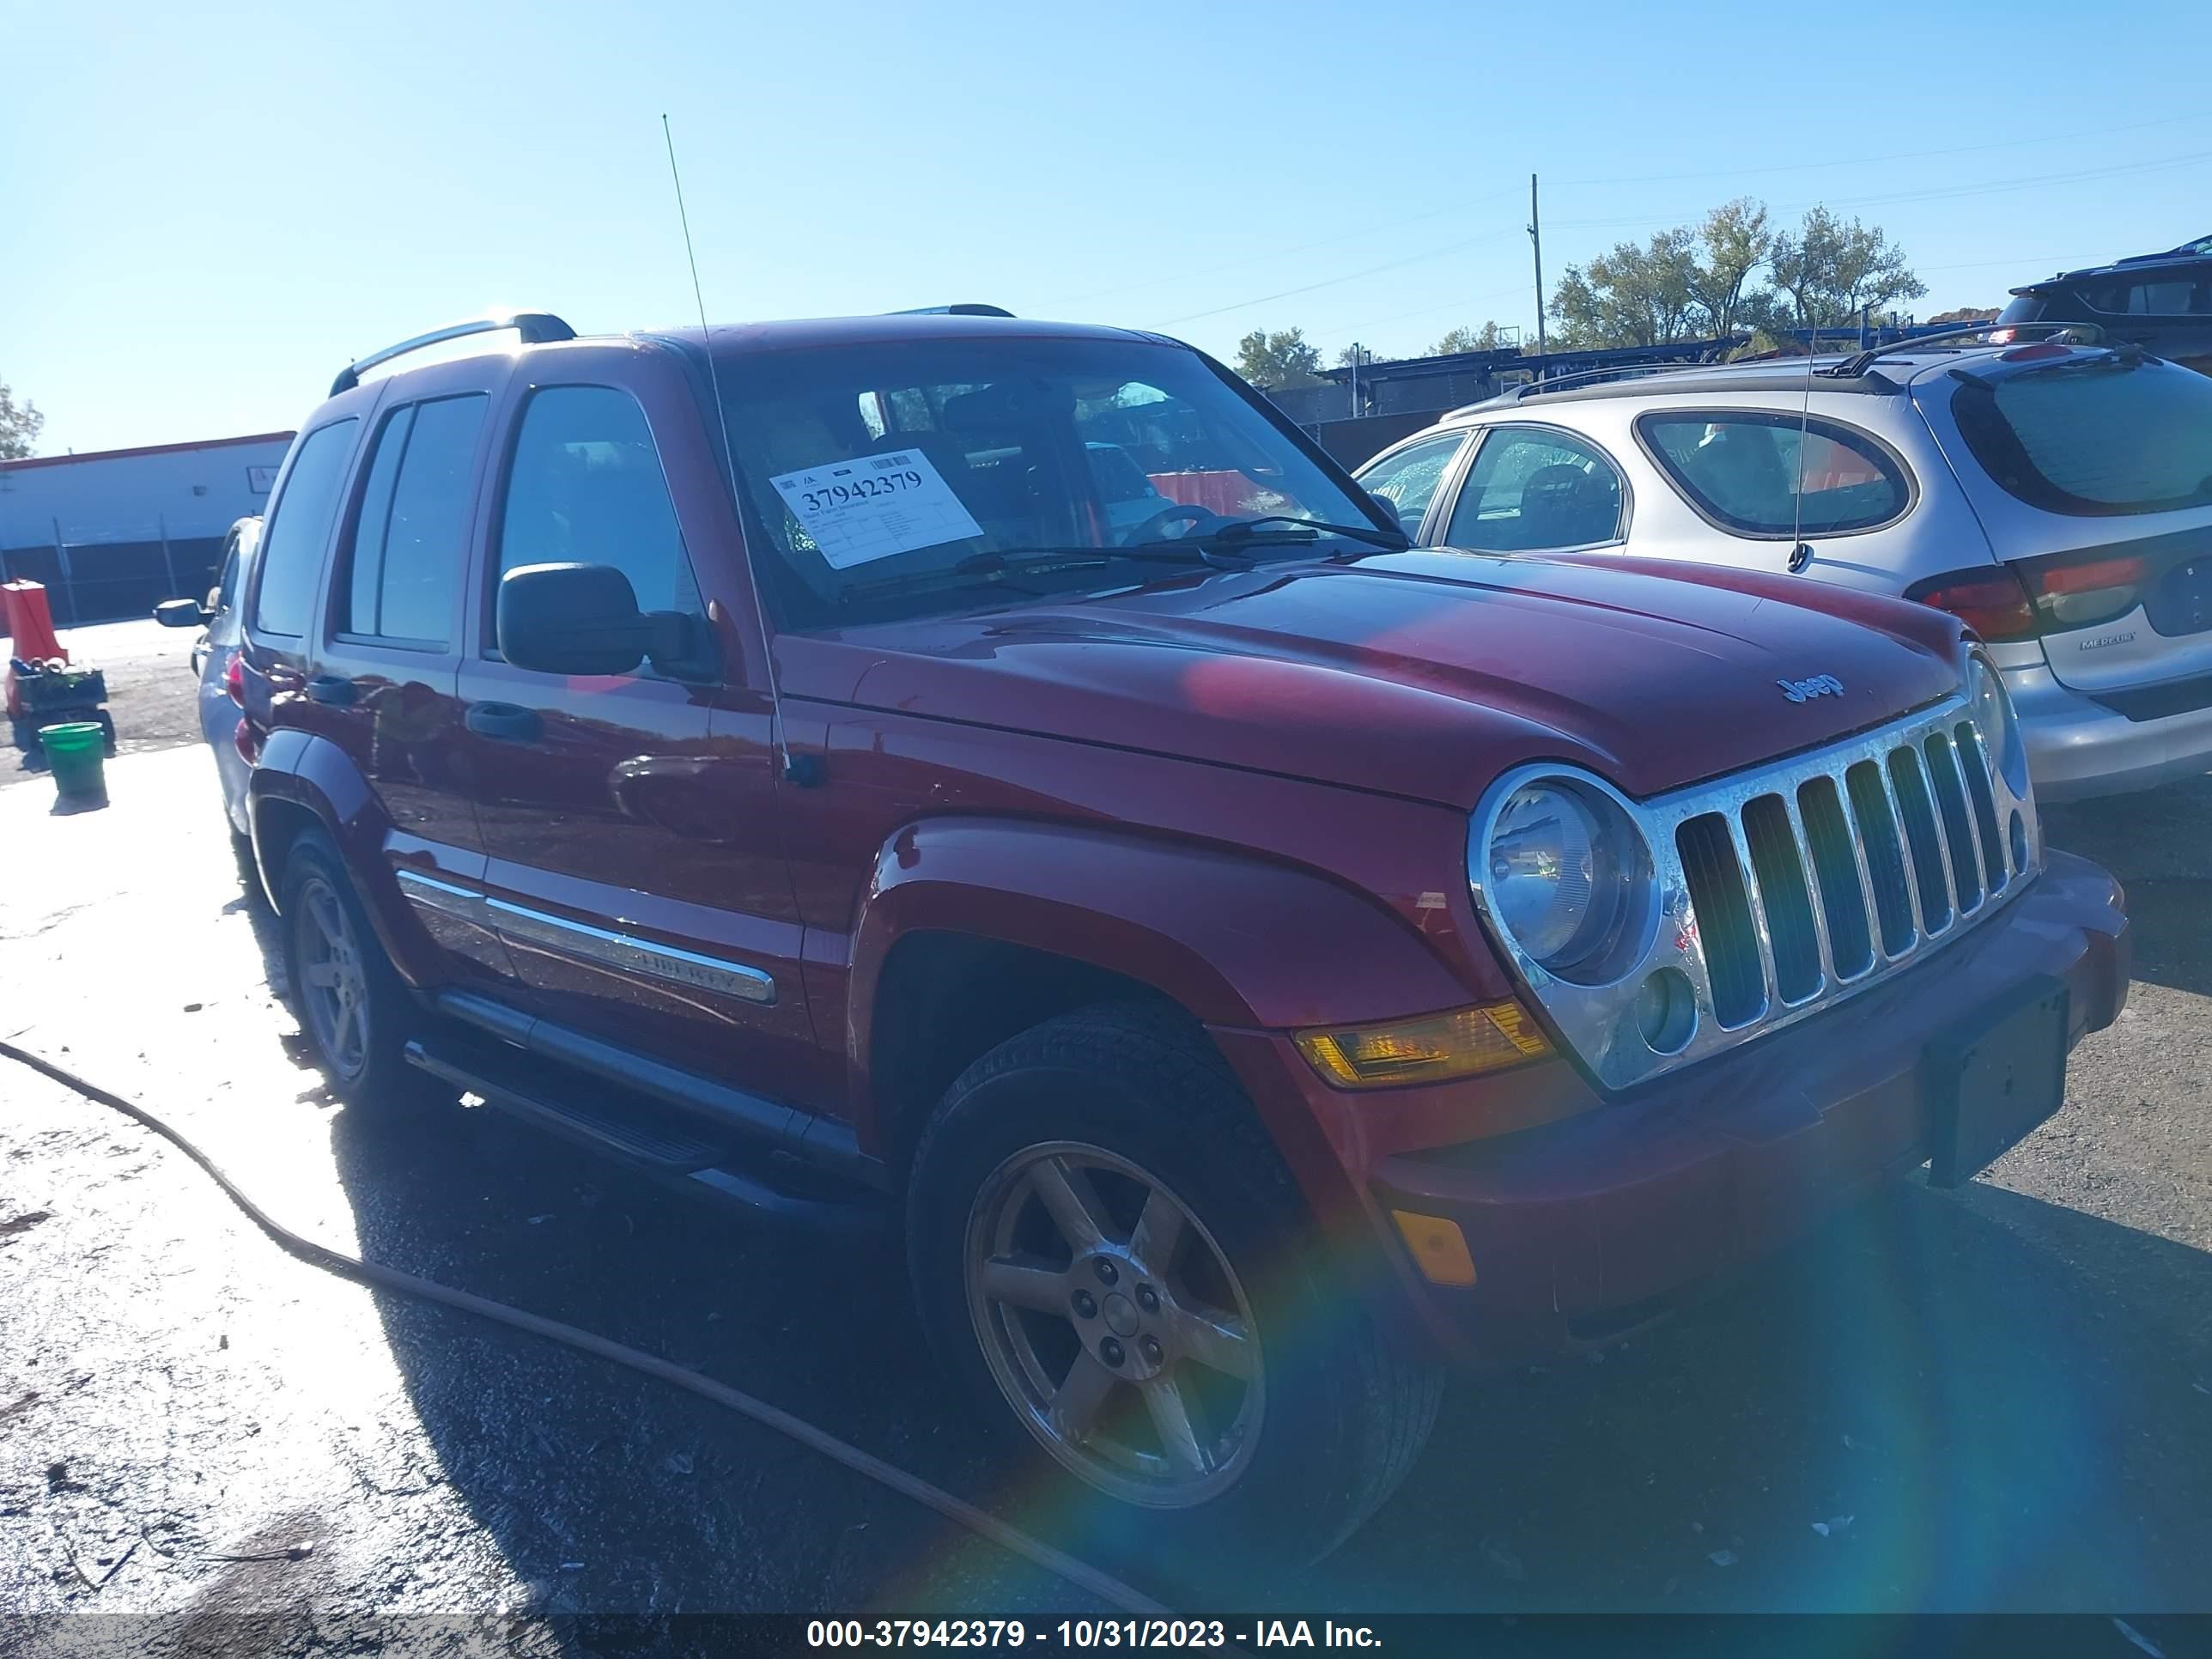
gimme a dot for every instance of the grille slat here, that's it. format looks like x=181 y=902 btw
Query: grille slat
x=1769 y=840
x=1882 y=848
x=1924 y=842
x=1958 y=828
x=1840 y=873
x=1721 y=904
x=1975 y=763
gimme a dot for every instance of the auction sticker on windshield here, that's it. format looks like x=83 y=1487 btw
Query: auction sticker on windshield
x=875 y=507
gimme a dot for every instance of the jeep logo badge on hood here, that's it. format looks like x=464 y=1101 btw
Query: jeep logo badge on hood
x=1820 y=685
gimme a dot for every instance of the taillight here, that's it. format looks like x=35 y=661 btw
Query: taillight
x=233 y=678
x=1989 y=600
x=2073 y=591
x=2056 y=594
x=244 y=740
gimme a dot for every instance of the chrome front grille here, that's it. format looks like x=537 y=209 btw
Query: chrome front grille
x=1789 y=894
x=1786 y=888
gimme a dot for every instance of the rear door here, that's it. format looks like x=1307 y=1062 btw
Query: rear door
x=636 y=869
x=381 y=680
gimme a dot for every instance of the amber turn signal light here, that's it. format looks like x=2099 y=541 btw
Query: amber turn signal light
x=1432 y=1049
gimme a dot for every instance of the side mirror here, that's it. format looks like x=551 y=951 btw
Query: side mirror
x=584 y=619
x=181 y=613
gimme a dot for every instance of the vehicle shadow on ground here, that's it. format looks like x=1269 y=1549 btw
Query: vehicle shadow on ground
x=2170 y=889
x=1987 y=1402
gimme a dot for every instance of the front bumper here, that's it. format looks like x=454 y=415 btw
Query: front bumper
x=1584 y=1227
x=2077 y=747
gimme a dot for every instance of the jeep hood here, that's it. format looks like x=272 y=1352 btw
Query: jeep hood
x=1422 y=674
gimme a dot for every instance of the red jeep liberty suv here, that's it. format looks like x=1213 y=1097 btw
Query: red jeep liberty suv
x=1001 y=776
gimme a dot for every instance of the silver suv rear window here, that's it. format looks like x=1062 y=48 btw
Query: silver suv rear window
x=2093 y=437
x=1771 y=475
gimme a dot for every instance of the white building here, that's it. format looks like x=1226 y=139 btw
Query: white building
x=112 y=534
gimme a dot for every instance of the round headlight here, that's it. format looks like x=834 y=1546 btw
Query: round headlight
x=2000 y=727
x=1567 y=873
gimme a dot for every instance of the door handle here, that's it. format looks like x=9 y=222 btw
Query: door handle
x=507 y=721
x=333 y=688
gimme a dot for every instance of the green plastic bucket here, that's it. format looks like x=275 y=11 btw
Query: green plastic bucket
x=75 y=752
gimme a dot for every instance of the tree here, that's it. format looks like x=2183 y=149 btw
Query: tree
x=1281 y=359
x=1733 y=242
x=1486 y=338
x=1830 y=270
x=19 y=426
x=1631 y=295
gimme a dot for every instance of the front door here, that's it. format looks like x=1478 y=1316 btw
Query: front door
x=635 y=871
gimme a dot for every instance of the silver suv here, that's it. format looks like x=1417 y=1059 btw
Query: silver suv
x=2056 y=497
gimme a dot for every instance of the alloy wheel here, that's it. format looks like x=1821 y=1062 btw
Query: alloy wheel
x=1116 y=1327
x=334 y=980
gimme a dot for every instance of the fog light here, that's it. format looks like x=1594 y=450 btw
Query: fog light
x=1665 y=1011
x=1434 y=1049
x=1439 y=1248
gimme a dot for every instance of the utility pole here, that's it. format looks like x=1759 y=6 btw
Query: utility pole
x=1536 y=239
x=1355 y=380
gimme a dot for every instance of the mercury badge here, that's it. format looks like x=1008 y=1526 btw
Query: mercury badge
x=1820 y=685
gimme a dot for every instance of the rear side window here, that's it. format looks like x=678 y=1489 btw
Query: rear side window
x=2186 y=295
x=300 y=529
x=1409 y=478
x=1773 y=474
x=2093 y=438
x=586 y=488
x=409 y=544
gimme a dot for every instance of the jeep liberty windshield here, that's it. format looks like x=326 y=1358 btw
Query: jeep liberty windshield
x=901 y=479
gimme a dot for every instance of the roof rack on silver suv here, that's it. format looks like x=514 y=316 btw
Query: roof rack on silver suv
x=1515 y=393
x=1850 y=368
x=535 y=328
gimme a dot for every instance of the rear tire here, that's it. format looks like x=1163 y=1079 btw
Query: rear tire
x=354 y=1012
x=1192 y=1378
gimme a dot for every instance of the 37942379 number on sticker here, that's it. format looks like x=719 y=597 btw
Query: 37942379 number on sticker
x=875 y=507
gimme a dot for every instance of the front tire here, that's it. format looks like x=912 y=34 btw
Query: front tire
x=1109 y=1254
x=353 y=1009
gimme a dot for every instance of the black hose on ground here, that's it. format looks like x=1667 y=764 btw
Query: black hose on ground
x=982 y=1524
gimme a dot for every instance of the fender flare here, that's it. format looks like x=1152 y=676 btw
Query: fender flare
x=1236 y=940
x=302 y=771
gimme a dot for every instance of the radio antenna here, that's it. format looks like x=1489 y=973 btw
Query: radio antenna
x=1800 y=551
x=785 y=762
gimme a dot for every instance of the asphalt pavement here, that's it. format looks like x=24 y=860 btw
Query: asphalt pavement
x=1999 y=1399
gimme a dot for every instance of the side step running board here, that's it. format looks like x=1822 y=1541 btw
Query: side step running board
x=824 y=1142
x=668 y=1154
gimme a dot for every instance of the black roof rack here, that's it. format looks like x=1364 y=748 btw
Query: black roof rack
x=535 y=327
x=1850 y=368
x=965 y=308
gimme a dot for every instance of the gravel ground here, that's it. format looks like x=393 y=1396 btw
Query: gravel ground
x=1999 y=1399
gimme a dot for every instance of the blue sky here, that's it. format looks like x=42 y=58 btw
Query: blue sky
x=206 y=209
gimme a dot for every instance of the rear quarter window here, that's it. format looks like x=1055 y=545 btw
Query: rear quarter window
x=299 y=530
x=2093 y=438
x=1770 y=475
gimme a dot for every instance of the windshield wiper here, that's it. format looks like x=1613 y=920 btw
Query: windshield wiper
x=1246 y=529
x=987 y=570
